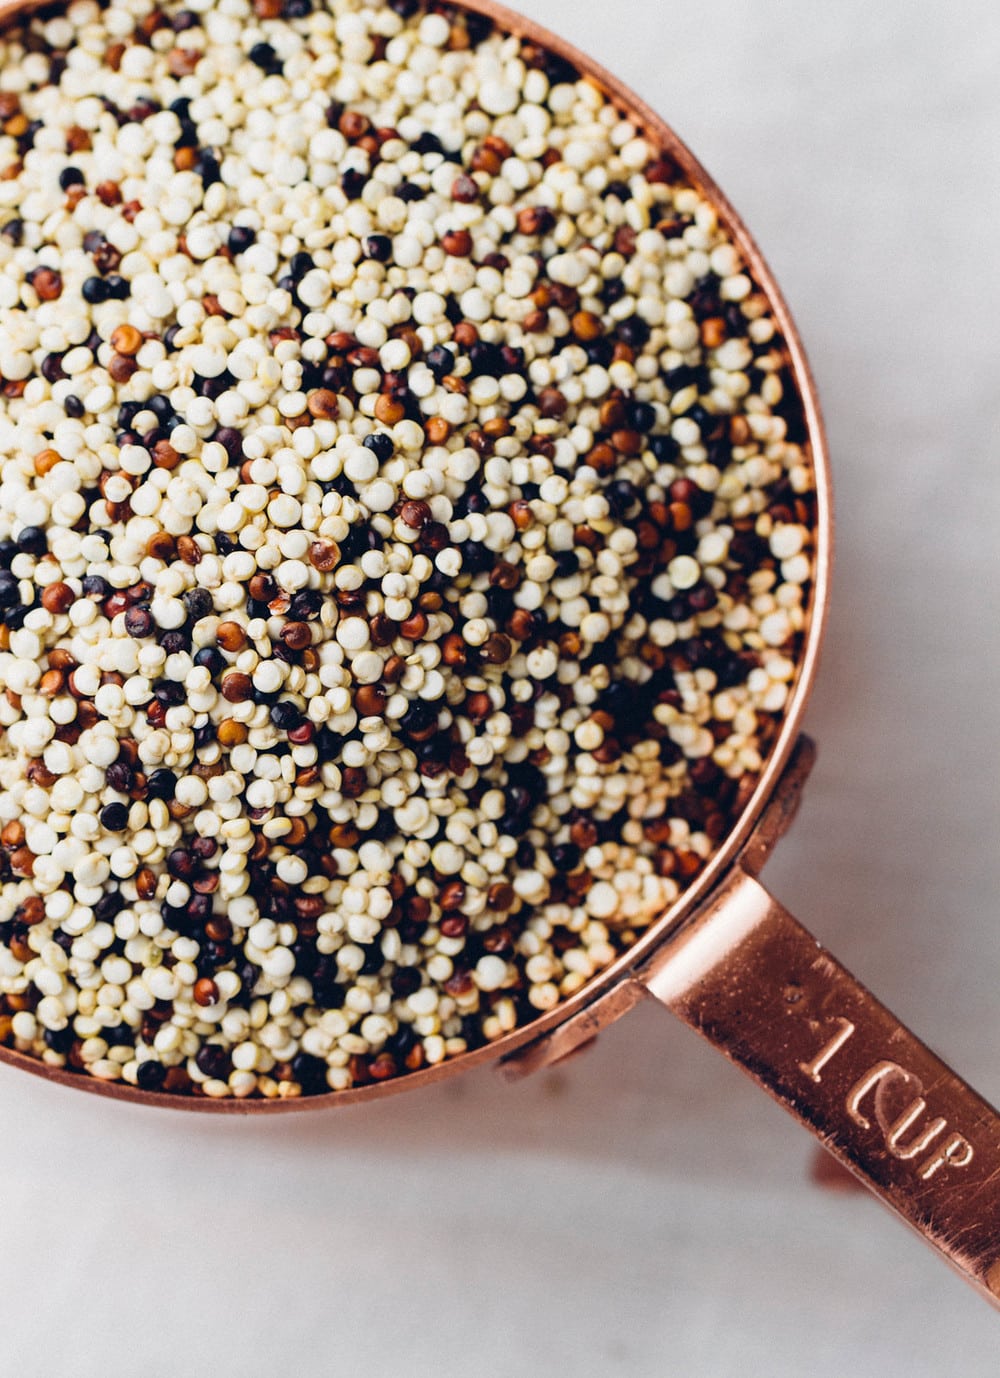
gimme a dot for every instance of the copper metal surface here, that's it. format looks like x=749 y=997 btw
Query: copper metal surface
x=727 y=958
x=751 y=980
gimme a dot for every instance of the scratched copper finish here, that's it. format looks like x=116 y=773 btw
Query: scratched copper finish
x=751 y=980
x=727 y=958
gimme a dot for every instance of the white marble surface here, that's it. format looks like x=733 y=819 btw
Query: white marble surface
x=645 y=1212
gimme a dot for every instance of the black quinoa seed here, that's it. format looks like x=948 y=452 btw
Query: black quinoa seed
x=207 y=168
x=213 y=658
x=377 y=247
x=10 y=596
x=32 y=540
x=139 y=622
x=175 y=641
x=214 y=1061
x=440 y=360
x=95 y=291
x=262 y=55
x=241 y=237
x=310 y=1073
x=199 y=603
x=634 y=332
x=60 y=1040
x=285 y=715
x=353 y=183
x=150 y=1075
x=114 y=817
x=120 y=776
x=380 y=445
x=161 y=784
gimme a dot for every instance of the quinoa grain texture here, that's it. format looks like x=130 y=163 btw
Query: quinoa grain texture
x=405 y=539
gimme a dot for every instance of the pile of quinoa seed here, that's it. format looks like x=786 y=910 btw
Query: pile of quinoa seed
x=405 y=539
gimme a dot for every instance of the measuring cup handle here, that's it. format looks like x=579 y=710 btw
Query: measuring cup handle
x=750 y=979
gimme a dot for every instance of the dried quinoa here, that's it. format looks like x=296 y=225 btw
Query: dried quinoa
x=405 y=539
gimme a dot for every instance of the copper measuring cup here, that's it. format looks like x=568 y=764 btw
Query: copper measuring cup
x=734 y=964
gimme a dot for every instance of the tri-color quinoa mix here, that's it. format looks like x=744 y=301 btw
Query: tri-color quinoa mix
x=404 y=539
